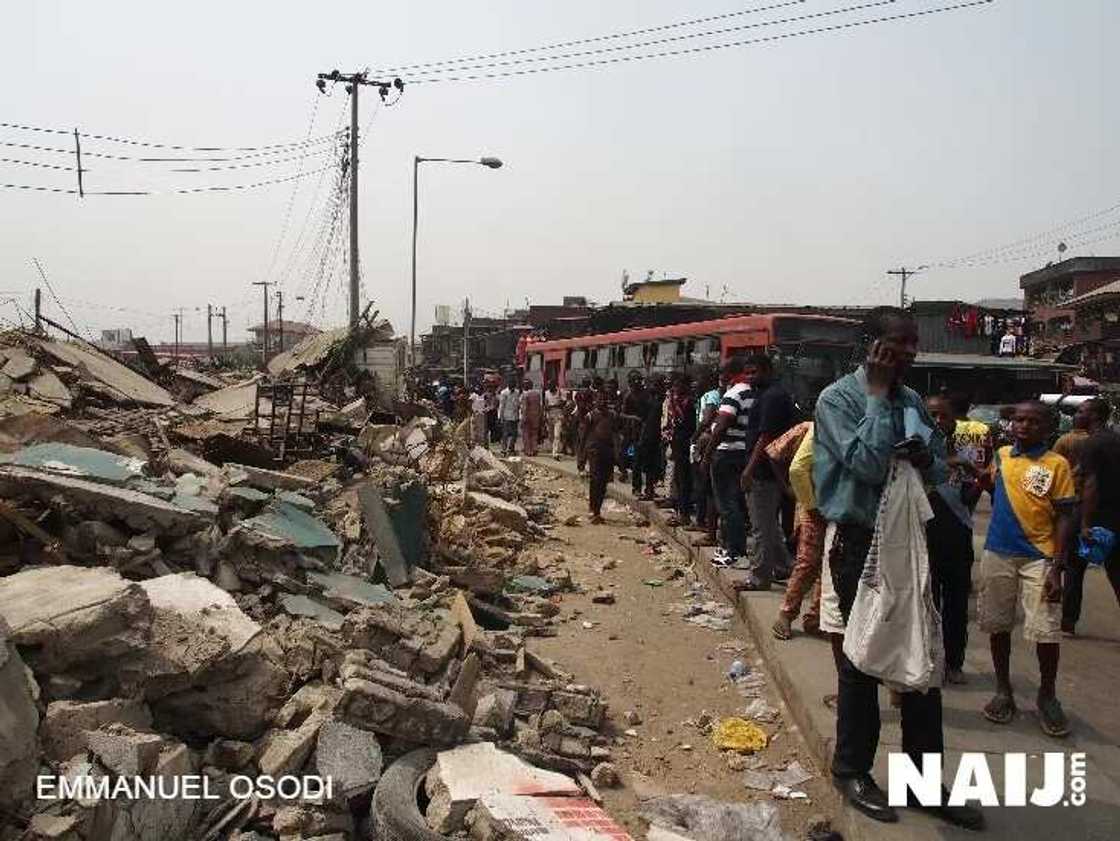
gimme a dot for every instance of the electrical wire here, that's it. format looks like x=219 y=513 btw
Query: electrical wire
x=134 y=159
x=222 y=188
x=173 y=147
x=678 y=38
x=44 y=166
x=59 y=303
x=785 y=36
x=582 y=41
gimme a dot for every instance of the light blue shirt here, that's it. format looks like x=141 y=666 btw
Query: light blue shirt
x=853 y=444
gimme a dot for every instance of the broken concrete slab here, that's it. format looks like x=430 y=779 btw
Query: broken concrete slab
x=704 y=819
x=463 y=775
x=274 y=480
x=46 y=386
x=127 y=385
x=495 y=710
x=300 y=605
x=380 y=527
x=283 y=525
x=286 y=751
x=125 y=751
x=314 y=469
x=509 y=514
x=73 y=618
x=141 y=511
x=350 y=591
x=19 y=722
x=81 y=462
x=348 y=756
x=234 y=402
x=19 y=365
x=412 y=718
x=66 y=722
x=46 y=827
x=182 y=461
x=511 y=817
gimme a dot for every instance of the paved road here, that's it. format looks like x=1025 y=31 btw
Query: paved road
x=1089 y=685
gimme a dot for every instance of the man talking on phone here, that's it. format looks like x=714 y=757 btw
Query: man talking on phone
x=863 y=421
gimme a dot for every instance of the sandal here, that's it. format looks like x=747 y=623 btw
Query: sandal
x=1001 y=709
x=781 y=628
x=813 y=629
x=1052 y=718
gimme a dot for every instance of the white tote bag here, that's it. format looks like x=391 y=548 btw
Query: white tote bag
x=894 y=629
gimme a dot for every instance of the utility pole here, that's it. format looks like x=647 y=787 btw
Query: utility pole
x=280 y=316
x=225 y=322
x=178 y=316
x=466 y=341
x=904 y=273
x=264 y=345
x=209 y=331
x=354 y=81
x=38 y=307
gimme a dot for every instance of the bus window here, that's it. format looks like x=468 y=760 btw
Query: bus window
x=704 y=352
x=577 y=360
x=666 y=355
x=535 y=361
x=632 y=357
x=592 y=358
x=649 y=354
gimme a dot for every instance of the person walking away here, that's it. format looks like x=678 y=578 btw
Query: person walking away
x=509 y=411
x=1028 y=542
x=860 y=421
x=1091 y=417
x=478 y=416
x=1100 y=509
x=726 y=454
x=791 y=459
x=707 y=403
x=532 y=412
x=584 y=403
x=645 y=472
x=680 y=429
x=1007 y=343
x=949 y=540
x=771 y=414
x=600 y=429
x=493 y=425
x=554 y=414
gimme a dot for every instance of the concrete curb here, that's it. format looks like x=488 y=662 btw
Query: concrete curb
x=757 y=611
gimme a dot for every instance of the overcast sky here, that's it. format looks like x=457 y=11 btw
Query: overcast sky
x=797 y=171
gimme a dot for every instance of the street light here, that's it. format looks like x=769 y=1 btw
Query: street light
x=489 y=163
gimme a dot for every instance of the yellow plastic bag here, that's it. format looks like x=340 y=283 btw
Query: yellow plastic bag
x=739 y=735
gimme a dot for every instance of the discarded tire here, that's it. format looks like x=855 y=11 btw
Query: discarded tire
x=395 y=812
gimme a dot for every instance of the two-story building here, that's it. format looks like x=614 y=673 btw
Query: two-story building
x=1051 y=291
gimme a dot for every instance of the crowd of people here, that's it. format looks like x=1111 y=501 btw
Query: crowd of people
x=794 y=499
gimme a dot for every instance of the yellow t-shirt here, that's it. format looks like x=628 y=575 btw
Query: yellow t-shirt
x=801 y=473
x=1029 y=487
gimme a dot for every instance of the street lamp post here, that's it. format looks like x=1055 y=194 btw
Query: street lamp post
x=491 y=163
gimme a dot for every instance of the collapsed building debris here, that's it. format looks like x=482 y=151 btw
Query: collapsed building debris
x=176 y=600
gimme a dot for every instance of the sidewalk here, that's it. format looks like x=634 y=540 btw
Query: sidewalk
x=1088 y=685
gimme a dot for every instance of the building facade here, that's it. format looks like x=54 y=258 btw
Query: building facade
x=1050 y=292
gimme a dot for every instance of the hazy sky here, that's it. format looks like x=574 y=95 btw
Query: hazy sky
x=791 y=172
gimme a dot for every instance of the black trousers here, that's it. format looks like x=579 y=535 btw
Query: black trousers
x=950 y=559
x=702 y=493
x=1073 y=584
x=857 y=711
x=647 y=466
x=600 y=461
x=682 y=476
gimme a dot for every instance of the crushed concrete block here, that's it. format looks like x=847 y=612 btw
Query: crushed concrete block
x=19 y=721
x=45 y=827
x=511 y=817
x=19 y=365
x=349 y=591
x=66 y=722
x=273 y=480
x=308 y=699
x=75 y=619
x=411 y=717
x=348 y=756
x=303 y=821
x=46 y=386
x=495 y=710
x=300 y=605
x=123 y=750
x=284 y=526
x=184 y=461
x=229 y=754
x=508 y=514
x=285 y=751
x=581 y=709
x=605 y=775
x=462 y=775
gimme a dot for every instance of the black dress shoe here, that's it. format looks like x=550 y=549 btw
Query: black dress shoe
x=864 y=795
x=966 y=817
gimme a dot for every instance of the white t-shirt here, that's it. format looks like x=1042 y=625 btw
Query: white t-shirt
x=1007 y=345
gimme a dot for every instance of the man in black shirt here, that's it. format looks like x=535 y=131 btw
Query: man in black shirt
x=647 y=444
x=1099 y=471
x=771 y=415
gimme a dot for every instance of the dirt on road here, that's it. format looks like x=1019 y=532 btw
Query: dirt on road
x=666 y=679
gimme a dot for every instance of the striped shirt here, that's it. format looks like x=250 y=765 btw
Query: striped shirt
x=737 y=401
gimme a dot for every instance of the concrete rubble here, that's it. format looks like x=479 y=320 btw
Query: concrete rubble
x=176 y=599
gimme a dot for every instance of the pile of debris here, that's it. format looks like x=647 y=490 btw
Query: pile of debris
x=177 y=605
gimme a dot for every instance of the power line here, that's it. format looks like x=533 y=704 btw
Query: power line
x=598 y=38
x=220 y=188
x=131 y=142
x=678 y=38
x=42 y=165
x=134 y=159
x=50 y=289
x=822 y=30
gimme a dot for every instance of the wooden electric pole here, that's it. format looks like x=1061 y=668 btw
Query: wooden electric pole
x=225 y=323
x=209 y=331
x=264 y=344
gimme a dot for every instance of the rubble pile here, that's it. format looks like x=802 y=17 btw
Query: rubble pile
x=178 y=604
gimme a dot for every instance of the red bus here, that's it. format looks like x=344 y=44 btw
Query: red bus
x=810 y=351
